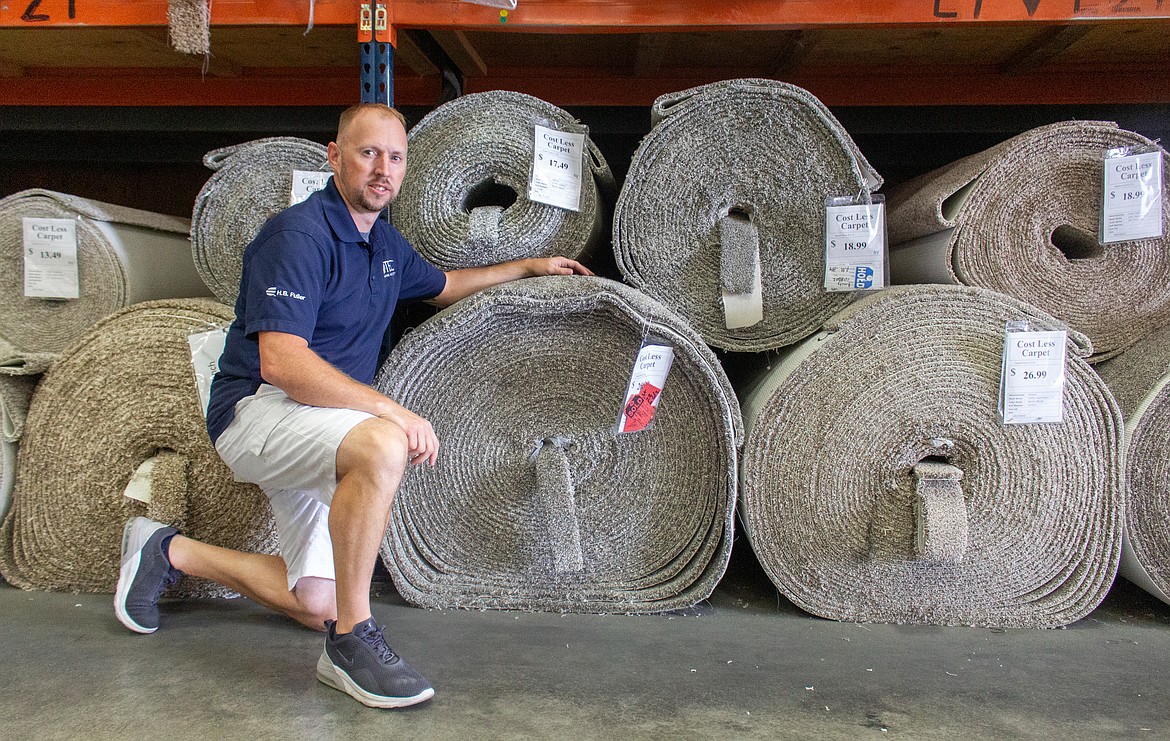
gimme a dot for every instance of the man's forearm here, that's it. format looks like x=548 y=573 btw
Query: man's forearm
x=465 y=282
x=289 y=364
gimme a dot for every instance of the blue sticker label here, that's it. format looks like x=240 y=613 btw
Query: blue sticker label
x=863 y=278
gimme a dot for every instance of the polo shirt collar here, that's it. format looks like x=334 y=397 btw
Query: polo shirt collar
x=338 y=216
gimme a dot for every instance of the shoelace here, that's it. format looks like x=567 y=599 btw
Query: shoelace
x=171 y=577
x=375 y=640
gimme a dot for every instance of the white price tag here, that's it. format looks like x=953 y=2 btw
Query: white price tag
x=557 y=160
x=645 y=387
x=305 y=183
x=855 y=244
x=206 y=347
x=1132 y=207
x=50 y=258
x=1032 y=376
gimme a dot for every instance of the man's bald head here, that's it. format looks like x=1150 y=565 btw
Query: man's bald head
x=363 y=109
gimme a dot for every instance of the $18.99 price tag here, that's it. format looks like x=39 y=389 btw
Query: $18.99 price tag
x=855 y=244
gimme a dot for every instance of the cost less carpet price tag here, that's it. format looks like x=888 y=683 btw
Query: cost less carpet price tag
x=1031 y=387
x=50 y=258
x=644 y=390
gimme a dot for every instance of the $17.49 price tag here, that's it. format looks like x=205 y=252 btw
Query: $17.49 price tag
x=1032 y=381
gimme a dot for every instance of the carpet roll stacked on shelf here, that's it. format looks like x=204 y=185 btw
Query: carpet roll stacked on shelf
x=252 y=182
x=122 y=396
x=124 y=256
x=880 y=485
x=15 y=394
x=465 y=199
x=536 y=502
x=1022 y=218
x=1139 y=380
x=732 y=177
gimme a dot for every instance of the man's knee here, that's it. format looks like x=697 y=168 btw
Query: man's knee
x=317 y=600
x=376 y=448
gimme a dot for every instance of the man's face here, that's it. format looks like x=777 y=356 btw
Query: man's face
x=369 y=162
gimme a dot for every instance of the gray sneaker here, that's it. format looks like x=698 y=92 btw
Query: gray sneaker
x=146 y=572
x=363 y=666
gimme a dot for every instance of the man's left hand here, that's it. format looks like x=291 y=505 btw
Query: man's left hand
x=538 y=266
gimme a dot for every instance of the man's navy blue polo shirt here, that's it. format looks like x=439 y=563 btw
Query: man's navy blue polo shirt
x=309 y=272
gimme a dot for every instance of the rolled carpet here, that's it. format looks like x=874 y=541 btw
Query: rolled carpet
x=252 y=182
x=122 y=400
x=879 y=484
x=1138 y=379
x=1022 y=218
x=732 y=179
x=124 y=256
x=535 y=502
x=464 y=202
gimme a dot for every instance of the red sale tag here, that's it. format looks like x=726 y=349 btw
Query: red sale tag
x=640 y=409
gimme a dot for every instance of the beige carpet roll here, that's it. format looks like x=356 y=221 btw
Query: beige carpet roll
x=731 y=179
x=1139 y=380
x=535 y=502
x=123 y=395
x=252 y=182
x=880 y=485
x=124 y=256
x=8 y=452
x=1022 y=218
x=465 y=201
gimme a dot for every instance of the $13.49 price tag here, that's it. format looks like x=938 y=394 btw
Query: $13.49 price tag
x=50 y=258
x=1032 y=381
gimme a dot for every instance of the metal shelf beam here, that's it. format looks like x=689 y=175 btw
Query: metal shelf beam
x=595 y=16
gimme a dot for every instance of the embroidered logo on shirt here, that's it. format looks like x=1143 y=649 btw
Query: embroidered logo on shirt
x=388 y=268
x=274 y=291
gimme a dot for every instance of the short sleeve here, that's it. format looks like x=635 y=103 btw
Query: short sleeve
x=420 y=279
x=287 y=275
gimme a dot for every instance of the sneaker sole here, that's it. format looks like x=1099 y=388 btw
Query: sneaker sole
x=125 y=579
x=329 y=674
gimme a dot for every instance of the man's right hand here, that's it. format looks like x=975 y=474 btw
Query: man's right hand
x=287 y=363
x=422 y=443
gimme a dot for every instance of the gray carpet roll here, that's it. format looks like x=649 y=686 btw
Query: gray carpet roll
x=252 y=182
x=464 y=202
x=731 y=172
x=1022 y=218
x=535 y=502
x=124 y=256
x=1139 y=379
x=8 y=451
x=879 y=484
x=122 y=395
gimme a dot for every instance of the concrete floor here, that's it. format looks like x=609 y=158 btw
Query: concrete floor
x=745 y=664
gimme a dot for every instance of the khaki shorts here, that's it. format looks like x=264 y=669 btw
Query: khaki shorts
x=289 y=450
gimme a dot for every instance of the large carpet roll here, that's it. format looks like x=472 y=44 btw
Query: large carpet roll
x=123 y=256
x=535 y=502
x=880 y=485
x=733 y=178
x=19 y=375
x=252 y=182
x=123 y=395
x=1140 y=381
x=1022 y=218
x=464 y=202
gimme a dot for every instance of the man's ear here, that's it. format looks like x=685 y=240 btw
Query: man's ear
x=334 y=153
